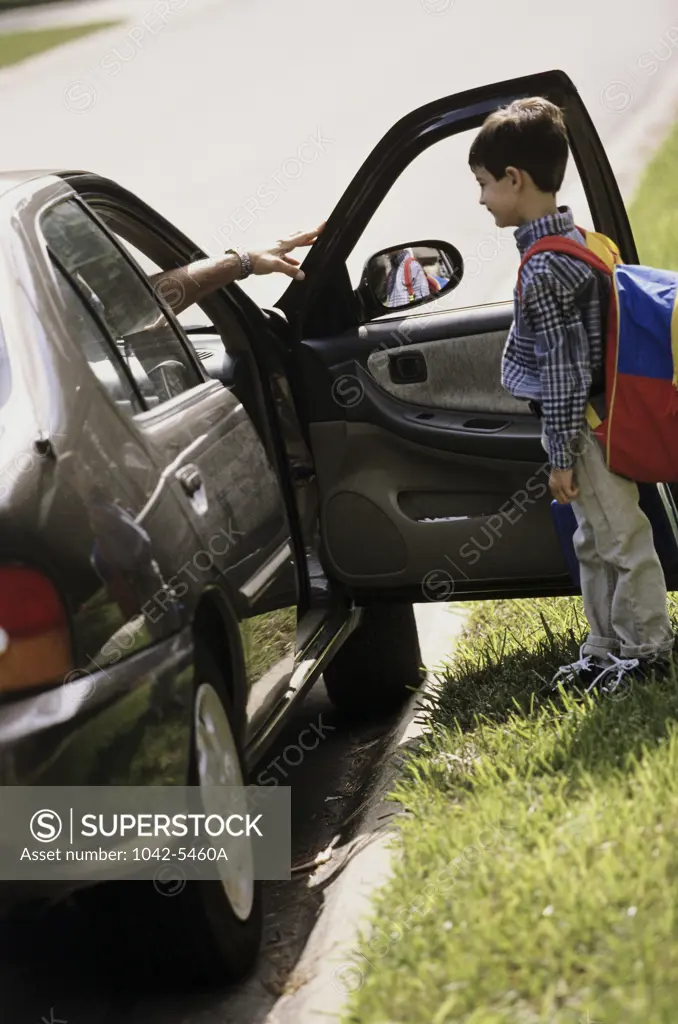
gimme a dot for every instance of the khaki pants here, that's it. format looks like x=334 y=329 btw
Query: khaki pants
x=622 y=581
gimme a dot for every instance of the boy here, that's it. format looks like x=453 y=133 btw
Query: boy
x=553 y=358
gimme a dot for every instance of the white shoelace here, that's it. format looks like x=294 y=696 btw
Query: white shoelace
x=569 y=673
x=619 y=667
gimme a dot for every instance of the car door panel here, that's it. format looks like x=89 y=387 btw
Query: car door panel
x=243 y=531
x=410 y=487
x=254 y=369
x=461 y=374
x=374 y=514
x=222 y=479
x=235 y=505
x=340 y=382
x=424 y=463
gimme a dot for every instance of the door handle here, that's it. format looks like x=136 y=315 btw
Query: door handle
x=487 y=425
x=190 y=479
x=407 y=367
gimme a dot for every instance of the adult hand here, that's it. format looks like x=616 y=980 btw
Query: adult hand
x=276 y=260
x=562 y=485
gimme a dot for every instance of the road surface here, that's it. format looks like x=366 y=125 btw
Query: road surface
x=206 y=106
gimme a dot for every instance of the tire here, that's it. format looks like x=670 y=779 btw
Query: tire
x=188 y=933
x=376 y=670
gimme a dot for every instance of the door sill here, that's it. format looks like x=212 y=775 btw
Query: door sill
x=326 y=630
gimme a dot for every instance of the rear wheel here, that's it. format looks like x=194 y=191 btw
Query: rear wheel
x=218 y=923
x=376 y=670
x=199 y=932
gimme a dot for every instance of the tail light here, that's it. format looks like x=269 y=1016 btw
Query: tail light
x=34 y=636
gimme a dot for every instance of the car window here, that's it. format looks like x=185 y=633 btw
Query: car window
x=437 y=197
x=95 y=347
x=145 y=338
x=192 y=316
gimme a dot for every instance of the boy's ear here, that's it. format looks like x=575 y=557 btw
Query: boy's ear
x=516 y=177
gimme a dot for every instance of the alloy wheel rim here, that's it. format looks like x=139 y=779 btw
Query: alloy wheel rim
x=218 y=765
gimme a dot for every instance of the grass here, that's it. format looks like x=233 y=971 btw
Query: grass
x=539 y=845
x=654 y=211
x=268 y=638
x=18 y=46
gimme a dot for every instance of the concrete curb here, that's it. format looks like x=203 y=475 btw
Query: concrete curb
x=330 y=968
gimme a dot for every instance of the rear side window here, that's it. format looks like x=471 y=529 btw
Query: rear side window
x=96 y=348
x=120 y=299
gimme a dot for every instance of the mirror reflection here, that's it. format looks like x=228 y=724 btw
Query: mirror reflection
x=402 y=276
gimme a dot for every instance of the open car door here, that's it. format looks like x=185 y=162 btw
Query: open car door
x=432 y=478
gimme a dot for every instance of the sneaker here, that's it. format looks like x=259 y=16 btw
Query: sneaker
x=661 y=664
x=618 y=677
x=624 y=672
x=585 y=672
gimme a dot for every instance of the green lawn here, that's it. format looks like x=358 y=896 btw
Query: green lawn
x=539 y=847
x=654 y=211
x=268 y=638
x=17 y=46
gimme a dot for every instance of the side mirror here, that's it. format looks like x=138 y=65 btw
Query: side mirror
x=405 y=276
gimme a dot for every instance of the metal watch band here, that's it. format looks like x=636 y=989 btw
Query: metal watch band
x=245 y=262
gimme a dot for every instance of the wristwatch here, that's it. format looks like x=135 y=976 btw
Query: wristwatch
x=245 y=262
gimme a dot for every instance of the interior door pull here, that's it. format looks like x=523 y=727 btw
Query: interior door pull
x=407 y=367
x=488 y=425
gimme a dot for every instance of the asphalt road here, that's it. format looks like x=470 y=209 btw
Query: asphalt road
x=199 y=105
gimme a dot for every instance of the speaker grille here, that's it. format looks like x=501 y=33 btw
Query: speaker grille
x=361 y=539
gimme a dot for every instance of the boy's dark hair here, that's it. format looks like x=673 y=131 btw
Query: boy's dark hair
x=528 y=134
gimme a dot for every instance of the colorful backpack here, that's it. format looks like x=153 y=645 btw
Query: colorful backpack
x=636 y=418
x=432 y=283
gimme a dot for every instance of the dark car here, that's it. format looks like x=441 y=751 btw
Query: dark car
x=197 y=519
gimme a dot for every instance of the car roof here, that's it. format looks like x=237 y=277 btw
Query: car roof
x=12 y=179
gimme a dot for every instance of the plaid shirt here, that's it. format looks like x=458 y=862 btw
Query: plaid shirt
x=398 y=294
x=555 y=345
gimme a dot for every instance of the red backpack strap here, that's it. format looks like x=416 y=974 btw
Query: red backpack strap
x=568 y=246
x=407 y=266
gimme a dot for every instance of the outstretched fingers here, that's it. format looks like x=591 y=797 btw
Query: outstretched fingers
x=300 y=238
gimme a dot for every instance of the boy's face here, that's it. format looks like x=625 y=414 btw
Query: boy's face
x=500 y=196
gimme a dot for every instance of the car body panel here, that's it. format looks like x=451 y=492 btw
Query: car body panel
x=234 y=546
x=242 y=512
x=123 y=725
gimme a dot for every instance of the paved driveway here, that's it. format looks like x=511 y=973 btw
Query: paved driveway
x=196 y=104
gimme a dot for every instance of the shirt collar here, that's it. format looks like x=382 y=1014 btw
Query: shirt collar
x=560 y=223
